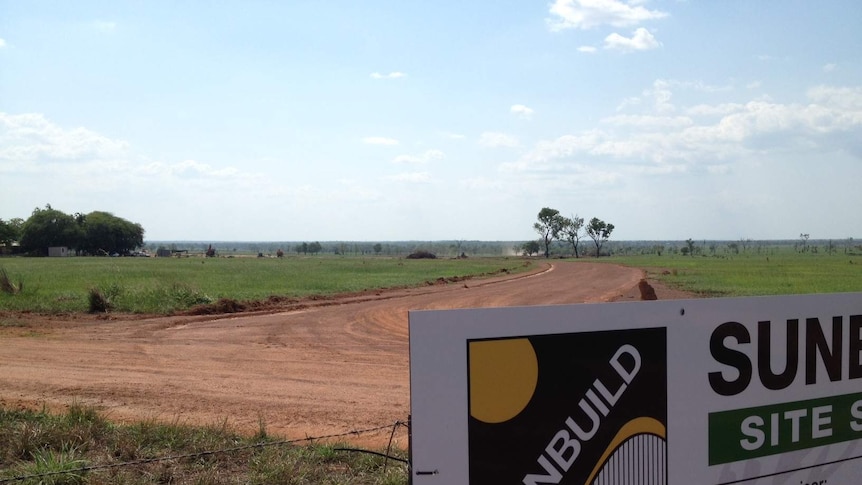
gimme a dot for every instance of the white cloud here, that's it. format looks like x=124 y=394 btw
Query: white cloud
x=411 y=177
x=648 y=122
x=586 y=14
x=2 y=43
x=379 y=140
x=493 y=140
x=420 y=159
x=630 y=101
x=842 y=98
x=587 y=49
x=391 y=75
x=722 y=135
x=754 y=85
x=715 y=109
x=829 y=67
x=641 y=40
x=521 y=111
x=661 y=95
x=31 y=138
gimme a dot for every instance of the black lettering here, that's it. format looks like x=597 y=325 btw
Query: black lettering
x=855 y=370
x=815 y=343
x=764 y=355
x=733 y=358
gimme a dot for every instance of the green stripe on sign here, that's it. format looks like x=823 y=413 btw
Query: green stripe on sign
x=742 y=434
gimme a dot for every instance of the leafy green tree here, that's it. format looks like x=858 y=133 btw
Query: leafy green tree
x=377 y=248
x=531 y=247
x=10 y=231
x=599 y=231
x=49 y=227
x=105 y=232
x=572 y=232
x=548 y=227
x=315 y=248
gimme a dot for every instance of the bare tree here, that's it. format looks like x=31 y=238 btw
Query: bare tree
x=572 y=232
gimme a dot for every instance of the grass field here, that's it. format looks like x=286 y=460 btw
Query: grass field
x=780 y=273
x=165 y=285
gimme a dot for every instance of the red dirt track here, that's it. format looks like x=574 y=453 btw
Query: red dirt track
x=325 y=369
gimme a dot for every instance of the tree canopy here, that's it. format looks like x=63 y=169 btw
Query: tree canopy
x=103 y=231
x=94 y=233
x=10 y=231
x=548 y=227
x=49 y=227
x=599 y=231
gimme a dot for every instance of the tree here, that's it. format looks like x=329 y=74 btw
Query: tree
x=572 y=232
x=599 y=231
x=49 y=227
x=377 y=248
x=10 y=231
x=104 y=232
x=530 y=248
x=549 y=226
x=689 y=243
x=315 y=247
x=804 y=240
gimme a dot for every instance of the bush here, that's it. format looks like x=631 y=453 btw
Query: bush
x=421 y=254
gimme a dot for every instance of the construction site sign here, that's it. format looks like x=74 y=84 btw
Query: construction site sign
x=714 y=391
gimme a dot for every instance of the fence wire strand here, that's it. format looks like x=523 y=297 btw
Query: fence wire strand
x=234 y=449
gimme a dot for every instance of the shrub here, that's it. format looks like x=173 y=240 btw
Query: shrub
x=421 y=254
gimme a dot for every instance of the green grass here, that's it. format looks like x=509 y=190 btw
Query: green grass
x=779 y=273
x=39 y=443
x=165 y=285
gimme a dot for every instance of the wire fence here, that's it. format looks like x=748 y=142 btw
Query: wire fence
x=394 y=427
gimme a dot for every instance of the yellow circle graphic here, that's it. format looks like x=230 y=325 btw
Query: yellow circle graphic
x=503 y=376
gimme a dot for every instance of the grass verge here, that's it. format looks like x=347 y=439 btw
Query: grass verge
x=56 y=447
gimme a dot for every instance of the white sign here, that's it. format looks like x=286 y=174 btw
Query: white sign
x=708 y=392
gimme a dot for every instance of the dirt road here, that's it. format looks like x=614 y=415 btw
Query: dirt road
x=310 y=372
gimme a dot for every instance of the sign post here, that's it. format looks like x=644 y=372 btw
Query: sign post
x=714 y=392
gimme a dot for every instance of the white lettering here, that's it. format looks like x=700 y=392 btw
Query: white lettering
x=856 y=412
x=626 y=374
x=576 y=428
x=794 y=417
x=819 y=418
x=597 y=402
x=567 y=451
x=750 y=428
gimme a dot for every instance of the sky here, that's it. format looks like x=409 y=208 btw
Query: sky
x=397 y=120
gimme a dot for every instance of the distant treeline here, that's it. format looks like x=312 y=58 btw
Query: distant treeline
x=451 y=248
x=456 y=248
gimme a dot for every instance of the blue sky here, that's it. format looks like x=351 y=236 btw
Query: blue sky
x=303 y=120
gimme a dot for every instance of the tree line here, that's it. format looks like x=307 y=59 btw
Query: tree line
x=96 y=233
x=552 y=226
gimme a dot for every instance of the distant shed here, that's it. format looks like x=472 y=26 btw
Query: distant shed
x=58 y=252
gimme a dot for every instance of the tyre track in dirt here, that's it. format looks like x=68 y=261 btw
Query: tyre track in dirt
x=309 y=372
